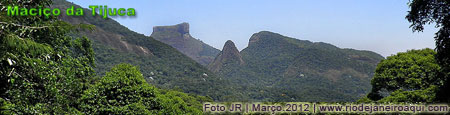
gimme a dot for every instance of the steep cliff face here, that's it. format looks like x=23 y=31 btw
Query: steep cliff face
x=228 y=56
x=181 y=29
x=178 y=37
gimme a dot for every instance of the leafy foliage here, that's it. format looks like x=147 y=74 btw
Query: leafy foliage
x=45 y=69
x=42 y=68
x=425 y=12
x=425 y=95
x=125 y=91
x=410 y=76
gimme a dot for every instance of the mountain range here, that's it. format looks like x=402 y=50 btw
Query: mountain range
x=272 y=68
x=278 y=68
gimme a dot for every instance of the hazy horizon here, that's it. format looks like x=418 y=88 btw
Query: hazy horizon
x=378 y=26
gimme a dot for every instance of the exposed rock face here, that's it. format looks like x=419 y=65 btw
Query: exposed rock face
x=108 y=38
x=229 y=56
x=230 y=52
x=100 y=35
x=178 y=37
x=255 y=38
x=182 y=29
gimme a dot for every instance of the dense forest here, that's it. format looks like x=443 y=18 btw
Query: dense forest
x=47 y=68
x=278 y=68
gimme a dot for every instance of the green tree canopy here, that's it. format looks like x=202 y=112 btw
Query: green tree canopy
x=410 y=76
x=42 y=69
x=45 y=70
x=425 y=12
x=124 y=90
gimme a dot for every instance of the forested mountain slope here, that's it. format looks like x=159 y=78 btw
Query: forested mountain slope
x=272 y=68
x=160 y=64
x=280 y=68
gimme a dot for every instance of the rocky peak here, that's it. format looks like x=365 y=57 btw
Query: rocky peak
x=230 y=51
x=182 y=29
x=178 y=37
x=262 y=35
x=229 y=55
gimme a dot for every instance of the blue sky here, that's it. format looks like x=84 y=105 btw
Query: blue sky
x=375 y=25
